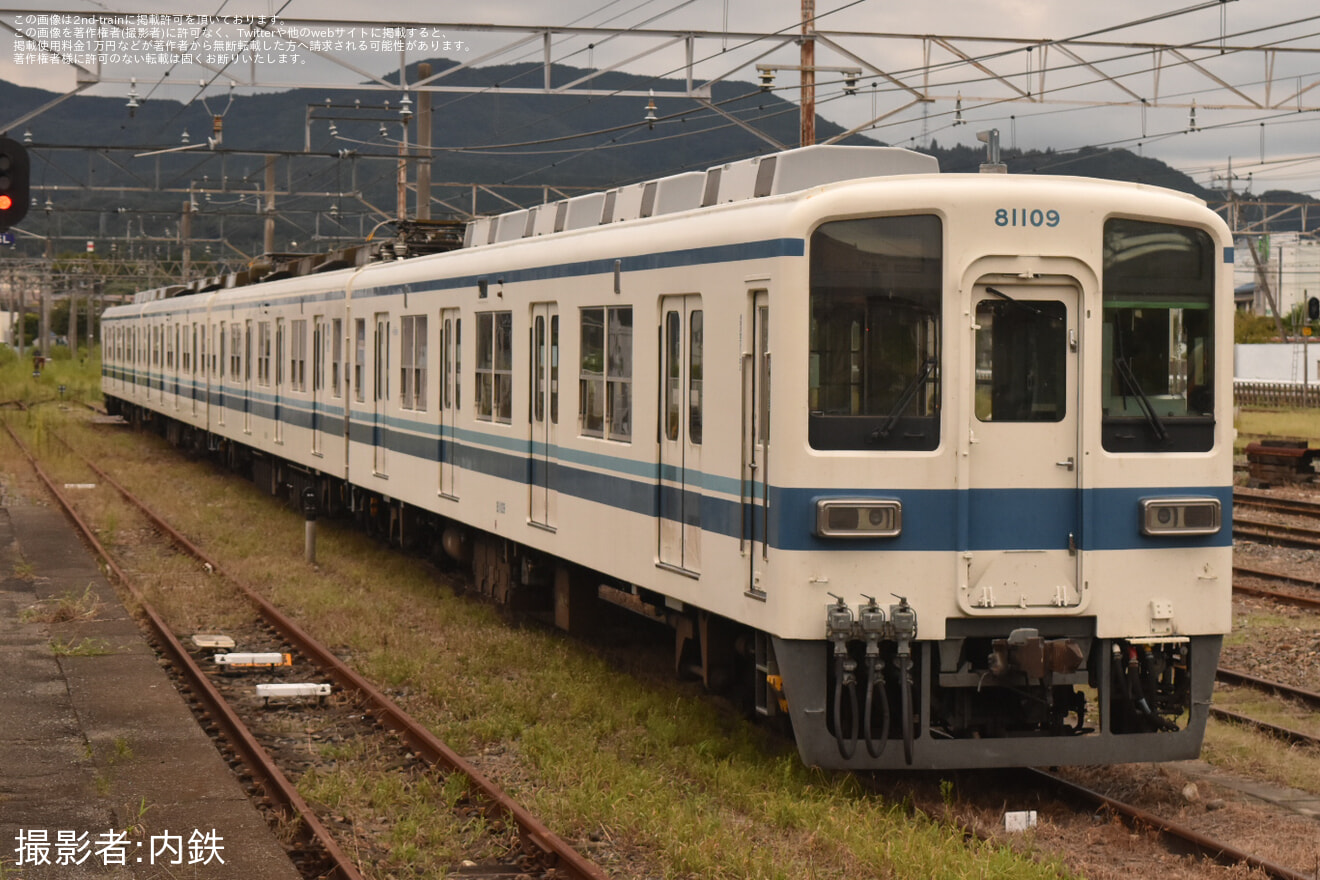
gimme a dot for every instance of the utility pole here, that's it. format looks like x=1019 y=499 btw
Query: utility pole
x=808 y=73
x=268 y=242
x=1263 y=282
x=47 y=288
x=91 y=329
x=185 y=239
x=423 y=145
x=22 y=317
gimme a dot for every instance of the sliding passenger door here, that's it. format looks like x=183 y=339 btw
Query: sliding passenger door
x=380 y=392
x=545 y=412
x=755 y=478
x=279 y=380
x=247 y=377
x=682 y=344
x=451 y=332
x=320 y=349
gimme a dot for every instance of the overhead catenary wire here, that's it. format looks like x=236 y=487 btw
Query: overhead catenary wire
x=1056 y=68
x=1107 y=29
x=619 y=136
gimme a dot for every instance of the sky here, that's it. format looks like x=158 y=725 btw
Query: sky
x=1255 y=122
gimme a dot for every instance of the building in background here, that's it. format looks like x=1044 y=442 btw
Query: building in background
x=1286 y=264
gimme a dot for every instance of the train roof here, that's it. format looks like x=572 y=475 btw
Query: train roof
x=758 y=177
x=776 y=174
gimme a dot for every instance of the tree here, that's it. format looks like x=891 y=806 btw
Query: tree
x=1249 y=328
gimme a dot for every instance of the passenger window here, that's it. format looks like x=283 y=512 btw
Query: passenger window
x=412 y=366
x=359 y=358
x=336 y=354
x=605 y=380
x=696 y=342
x=494 y=370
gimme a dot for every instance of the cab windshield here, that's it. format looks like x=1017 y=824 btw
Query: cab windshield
x=874 y=372
x=1158 y=347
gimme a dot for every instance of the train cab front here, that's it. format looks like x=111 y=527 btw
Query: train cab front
x=1021 y=478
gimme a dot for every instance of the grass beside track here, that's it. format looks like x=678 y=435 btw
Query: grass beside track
x=1248 y=752
x=1257 y=424
x=652 y=780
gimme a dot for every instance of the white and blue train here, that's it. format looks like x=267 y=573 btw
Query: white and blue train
x=937 y=465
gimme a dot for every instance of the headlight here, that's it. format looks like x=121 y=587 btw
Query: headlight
x=858 y=518
x=1180 y=516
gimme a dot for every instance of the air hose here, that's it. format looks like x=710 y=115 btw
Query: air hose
x=844 y=679
x=905 y=705
x=874 y=682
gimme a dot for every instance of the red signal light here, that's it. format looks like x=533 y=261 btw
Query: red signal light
x=14 y=192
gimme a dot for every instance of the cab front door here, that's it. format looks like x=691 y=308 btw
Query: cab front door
x=1023 y=523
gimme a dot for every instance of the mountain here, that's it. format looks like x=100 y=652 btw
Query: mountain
x=520 y=146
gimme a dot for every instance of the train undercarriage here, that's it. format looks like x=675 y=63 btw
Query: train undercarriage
x=1045 y=692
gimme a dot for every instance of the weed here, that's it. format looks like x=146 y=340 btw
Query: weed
x=80 y=648
x=68 y=607
x=135 y=816
x=108 y=528
x=946 y=793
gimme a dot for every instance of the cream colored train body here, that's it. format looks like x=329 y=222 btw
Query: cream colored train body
x=764 y=403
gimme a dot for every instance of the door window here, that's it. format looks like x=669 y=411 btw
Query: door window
x=1021 y=360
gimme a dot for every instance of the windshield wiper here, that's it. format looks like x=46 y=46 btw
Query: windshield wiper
x=904 y=401
x=1147 y=408
x=1017 y=302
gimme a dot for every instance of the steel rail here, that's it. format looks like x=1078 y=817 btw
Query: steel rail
x=1312 y=602
x=540 y=841
x=1266 y=501
x=1285 y=598
x=1246 y=679
x=1266 y=574
x=1217 y=850
x=1297 y=536
x=272 y=780
x=1286 y=733
x=1243 y=679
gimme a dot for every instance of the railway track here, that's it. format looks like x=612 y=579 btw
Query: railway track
x=1177 y=833
x=981 y=808
x=1270 y=531
x=1300 y=599
x=1254 y=500
x=1281 y=534
x=1300 y=696
x=317 y=852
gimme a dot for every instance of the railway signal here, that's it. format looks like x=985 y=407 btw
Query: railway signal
x=13 y=182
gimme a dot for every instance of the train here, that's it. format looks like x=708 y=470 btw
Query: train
x=933 y=469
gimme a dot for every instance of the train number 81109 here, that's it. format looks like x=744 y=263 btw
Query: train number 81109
x=1027 y=217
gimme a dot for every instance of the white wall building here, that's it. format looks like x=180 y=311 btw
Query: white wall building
x=1290 y=265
